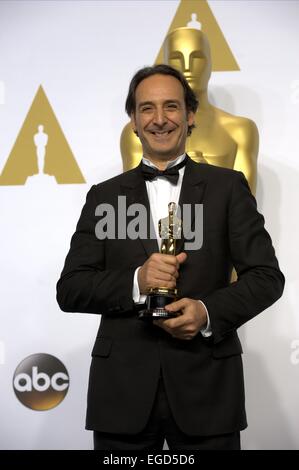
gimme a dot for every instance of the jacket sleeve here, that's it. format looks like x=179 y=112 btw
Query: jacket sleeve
x=85 y=285
x=260 y=282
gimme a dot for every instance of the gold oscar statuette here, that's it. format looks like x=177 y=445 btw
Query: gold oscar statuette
x=158 y=297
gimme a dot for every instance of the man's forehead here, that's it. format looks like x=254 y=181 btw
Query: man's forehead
x=159 y=86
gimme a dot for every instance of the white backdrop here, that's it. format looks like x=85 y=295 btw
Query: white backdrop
x=84 y=54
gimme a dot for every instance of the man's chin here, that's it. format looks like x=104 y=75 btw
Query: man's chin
x=163 y=153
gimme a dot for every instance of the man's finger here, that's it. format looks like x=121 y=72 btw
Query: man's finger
x=181 y=257
x=169 y=259
x=176 y=306
x=172 y=324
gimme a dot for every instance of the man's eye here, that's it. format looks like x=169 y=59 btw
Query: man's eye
x=172 y=106
x=146 y=108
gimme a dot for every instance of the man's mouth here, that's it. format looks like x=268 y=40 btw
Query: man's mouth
x=161 y=133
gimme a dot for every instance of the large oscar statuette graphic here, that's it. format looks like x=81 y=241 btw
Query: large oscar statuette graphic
x=169 y=230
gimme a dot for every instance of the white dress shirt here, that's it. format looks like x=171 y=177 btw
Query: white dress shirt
x=160 y=193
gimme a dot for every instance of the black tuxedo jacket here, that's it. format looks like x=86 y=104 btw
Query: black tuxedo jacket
x=203 y=377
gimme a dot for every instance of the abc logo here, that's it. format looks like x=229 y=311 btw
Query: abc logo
x=41 y=382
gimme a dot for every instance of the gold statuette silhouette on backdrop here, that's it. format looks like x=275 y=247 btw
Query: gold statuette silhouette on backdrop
x=219 y=138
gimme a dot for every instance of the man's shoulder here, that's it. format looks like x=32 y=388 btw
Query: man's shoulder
x=215 y=172
x=220 y=180
x=117 y=180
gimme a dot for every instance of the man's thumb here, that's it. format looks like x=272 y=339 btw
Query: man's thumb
x=181 y=257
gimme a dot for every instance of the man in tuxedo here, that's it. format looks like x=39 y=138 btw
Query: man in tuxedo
x=178 y=379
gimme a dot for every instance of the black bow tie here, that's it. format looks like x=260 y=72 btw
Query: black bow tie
x=171 y=174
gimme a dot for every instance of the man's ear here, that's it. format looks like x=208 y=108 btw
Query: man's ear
x=133 y=124
x=190 y=118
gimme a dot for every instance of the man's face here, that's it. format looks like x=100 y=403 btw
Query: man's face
x=161 y=119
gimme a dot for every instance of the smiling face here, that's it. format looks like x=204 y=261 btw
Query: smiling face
x=161 y=119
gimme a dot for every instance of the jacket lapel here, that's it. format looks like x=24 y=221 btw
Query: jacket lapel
x=134 y=188
x=192 y=192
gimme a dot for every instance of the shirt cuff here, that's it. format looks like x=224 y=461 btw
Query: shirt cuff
x=206 y=331
x=137 y=297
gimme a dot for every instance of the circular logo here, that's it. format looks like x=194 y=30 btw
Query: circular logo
x=41 y=382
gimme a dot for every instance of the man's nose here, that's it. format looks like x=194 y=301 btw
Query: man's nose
x=160 y=117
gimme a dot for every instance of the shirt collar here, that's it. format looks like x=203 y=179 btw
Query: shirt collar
x=170 y=164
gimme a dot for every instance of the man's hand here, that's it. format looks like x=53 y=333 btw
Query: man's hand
x=187 y=325
x=160 y=270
